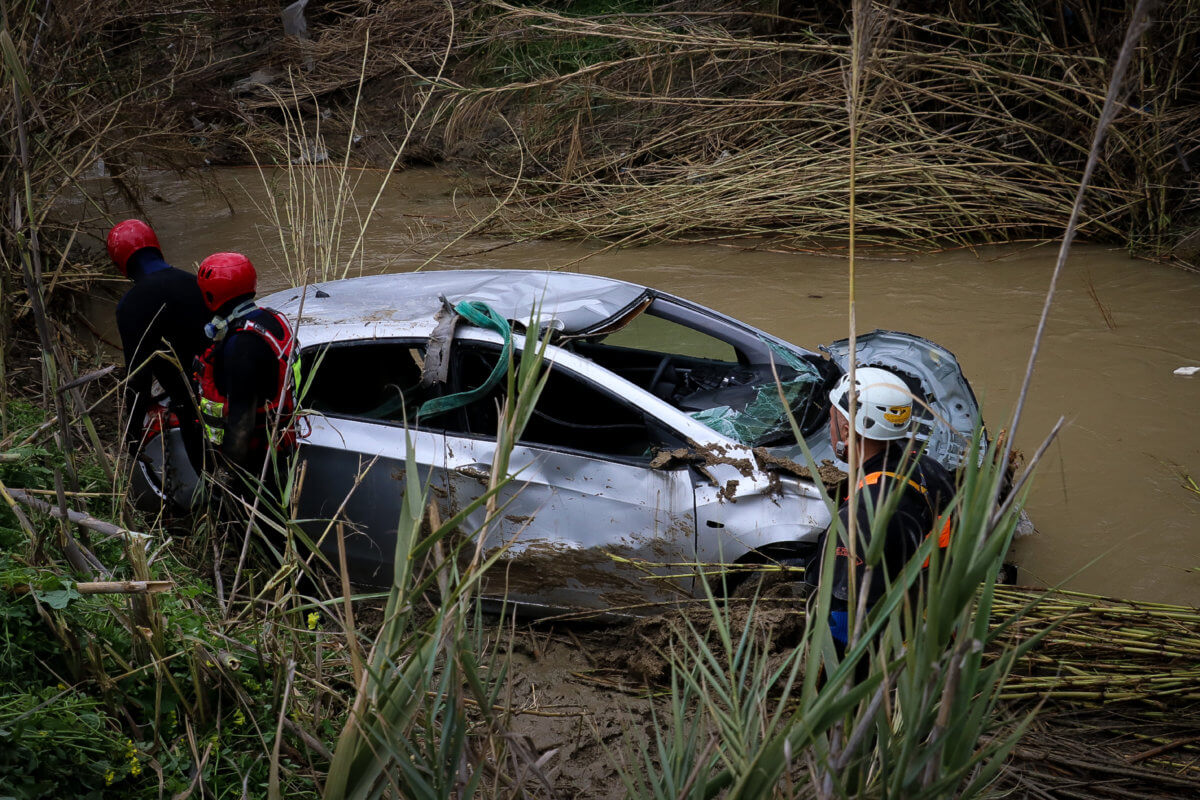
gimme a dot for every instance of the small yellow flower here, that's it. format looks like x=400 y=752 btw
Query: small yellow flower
x=135 y=767
x=130 y=750
x=62 y=687
x=313 y=619
x=109 y=777
x=239 y=719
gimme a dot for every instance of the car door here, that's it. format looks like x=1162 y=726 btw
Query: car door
x=586 y=522
x=358 y=398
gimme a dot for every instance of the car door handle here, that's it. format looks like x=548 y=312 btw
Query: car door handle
x=480 y=472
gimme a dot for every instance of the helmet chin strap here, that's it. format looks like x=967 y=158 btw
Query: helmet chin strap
x=219 y=326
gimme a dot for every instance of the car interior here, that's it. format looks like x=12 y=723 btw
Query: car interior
x=378 y=380
x=570 y=414
x=698 y=372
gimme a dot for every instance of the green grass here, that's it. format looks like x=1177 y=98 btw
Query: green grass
x=102 y=693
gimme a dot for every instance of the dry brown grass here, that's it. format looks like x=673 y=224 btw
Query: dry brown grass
x=969 y=132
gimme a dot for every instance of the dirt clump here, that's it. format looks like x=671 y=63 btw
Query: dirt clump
x=829 y=474
x=642 y=649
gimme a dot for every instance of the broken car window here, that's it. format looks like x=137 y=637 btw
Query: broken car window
x=571 y=413
x=375 y=380
x=752 y=405
x=649 y=332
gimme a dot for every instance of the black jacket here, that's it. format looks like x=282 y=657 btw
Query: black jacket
x=913 y=519
x=246 y=371
x=161 y=321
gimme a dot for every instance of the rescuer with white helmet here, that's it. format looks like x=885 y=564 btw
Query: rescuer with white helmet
x=888 y=462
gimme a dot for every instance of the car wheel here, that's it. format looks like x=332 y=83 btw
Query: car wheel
x=776 y=583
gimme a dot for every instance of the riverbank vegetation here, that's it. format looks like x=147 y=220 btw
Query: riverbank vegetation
x=134 y=667
x=974 y=124
x=632 y=122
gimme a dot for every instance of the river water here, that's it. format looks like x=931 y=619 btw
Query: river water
x=1110 y=503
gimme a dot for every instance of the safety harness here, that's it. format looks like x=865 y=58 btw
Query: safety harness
x=946 y=527
x=214 y=405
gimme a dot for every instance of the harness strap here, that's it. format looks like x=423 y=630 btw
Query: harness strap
x=876 y=477
x=484 y=316
x=947 y=528
x=280 y=347
x=214 y=408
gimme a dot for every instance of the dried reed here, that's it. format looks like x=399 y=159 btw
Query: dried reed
x=969 y=131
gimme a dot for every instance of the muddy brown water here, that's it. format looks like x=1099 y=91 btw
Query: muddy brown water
x=1110 y=505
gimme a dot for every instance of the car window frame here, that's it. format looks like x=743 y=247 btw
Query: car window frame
x=420 y=342
x=554 y=360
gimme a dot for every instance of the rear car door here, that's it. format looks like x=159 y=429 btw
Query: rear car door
x=354 y=455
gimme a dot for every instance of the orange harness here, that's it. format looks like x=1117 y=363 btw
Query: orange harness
x=214 y=406
x=946 y=527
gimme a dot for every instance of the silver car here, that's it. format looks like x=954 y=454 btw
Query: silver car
x=660 y=440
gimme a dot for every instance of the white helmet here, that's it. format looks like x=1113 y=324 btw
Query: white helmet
x=884 y=404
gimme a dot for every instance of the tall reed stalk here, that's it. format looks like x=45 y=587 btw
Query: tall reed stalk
x=321 y=229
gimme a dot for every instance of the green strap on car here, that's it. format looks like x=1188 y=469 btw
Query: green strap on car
x=484 y=316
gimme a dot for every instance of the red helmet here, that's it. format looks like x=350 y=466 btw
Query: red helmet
x=225 y=276
x=126 y=238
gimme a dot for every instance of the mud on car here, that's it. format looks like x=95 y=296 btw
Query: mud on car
x=660 y=439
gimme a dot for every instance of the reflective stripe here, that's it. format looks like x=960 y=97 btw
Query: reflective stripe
x=212 y=416
x=875 y=477
x=212 y=408
x=214 y=434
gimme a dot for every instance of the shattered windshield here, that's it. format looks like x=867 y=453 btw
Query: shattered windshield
x=756 y=412
x=720 y=373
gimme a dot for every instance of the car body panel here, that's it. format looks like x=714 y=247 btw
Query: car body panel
x=566 y=518
x=355 y=474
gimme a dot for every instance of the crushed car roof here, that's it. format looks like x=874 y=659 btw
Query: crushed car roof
x=404 y=304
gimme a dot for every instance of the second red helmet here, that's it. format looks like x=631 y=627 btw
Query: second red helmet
x=225 y=276
x=126 y=238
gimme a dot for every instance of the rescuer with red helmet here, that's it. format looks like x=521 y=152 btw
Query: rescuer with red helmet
x=244 y=377
x=161 y=322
